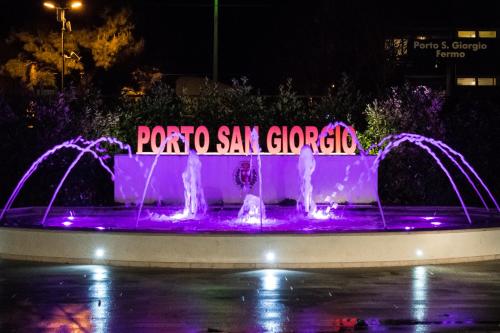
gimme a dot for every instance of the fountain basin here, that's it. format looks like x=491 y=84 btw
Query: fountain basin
x=355 y=239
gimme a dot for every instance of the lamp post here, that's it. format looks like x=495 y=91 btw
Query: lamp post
x=61 y=17
x=215 y=53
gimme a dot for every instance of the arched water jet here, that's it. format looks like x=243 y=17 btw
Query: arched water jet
x=331 y=126
x=394 y=144
x=472 y=170
x=87 y=149
x=453 y=184
x=153 y=167
x=447 y=151
x=363 y=152
x=71 y=144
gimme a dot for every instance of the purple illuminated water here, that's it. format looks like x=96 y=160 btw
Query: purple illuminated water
x=362 y=152
x=278 y=219
x=393 y=141
x=323 y=217
x=249 y=200
x=88 y=148
x=71 y=144
x=252 y=211
x=194 y=197
x=153 y=167
x=306 y=167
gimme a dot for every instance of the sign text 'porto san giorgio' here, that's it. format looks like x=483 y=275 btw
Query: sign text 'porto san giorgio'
x=237 y=139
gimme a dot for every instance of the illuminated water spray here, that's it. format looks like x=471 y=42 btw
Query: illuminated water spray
x=306 y=167
x=393 y=141
x=90 y=145
x=253 y=210
x=169 y=138
x=80 y=144
x=194 y=197
x=253 y=207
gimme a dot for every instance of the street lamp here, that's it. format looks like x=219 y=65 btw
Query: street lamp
x=215 y=47
x=65 y=25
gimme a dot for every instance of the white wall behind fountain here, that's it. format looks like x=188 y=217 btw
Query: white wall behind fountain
x=337 y=178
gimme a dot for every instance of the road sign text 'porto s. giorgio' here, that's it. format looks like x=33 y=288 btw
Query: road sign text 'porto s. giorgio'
x=237 y=139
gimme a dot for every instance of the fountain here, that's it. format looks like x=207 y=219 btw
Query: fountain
x=315 y=212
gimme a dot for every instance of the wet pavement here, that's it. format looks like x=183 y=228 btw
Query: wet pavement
x=93 y=298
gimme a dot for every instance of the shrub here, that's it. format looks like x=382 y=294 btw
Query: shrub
x=408 y=175
x=404 y=109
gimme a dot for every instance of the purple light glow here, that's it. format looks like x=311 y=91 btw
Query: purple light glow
x=71 y=144
x=90 y=145
x=280 y=219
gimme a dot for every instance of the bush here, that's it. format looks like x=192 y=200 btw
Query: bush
x=404 y=109
x=408 y=175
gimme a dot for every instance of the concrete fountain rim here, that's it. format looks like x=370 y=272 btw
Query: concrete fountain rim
x=249 y=251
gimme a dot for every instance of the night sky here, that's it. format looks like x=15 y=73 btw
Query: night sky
x=266 y=40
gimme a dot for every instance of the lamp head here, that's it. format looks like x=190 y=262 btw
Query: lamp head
x=75 y=4
x=49 y=4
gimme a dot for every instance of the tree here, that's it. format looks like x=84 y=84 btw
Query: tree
x=344 y=102
x=40 y=57
x=111 y=41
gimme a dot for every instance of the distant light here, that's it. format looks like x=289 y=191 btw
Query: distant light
x=270 y=256
x=67 y=223
x=407 y=228
x=100 y=228
x=76 y=4
x=436 y=223
x=49 y=5
x=71 y=217
x=428 y=218
x=419 y=253
x=99 y=253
